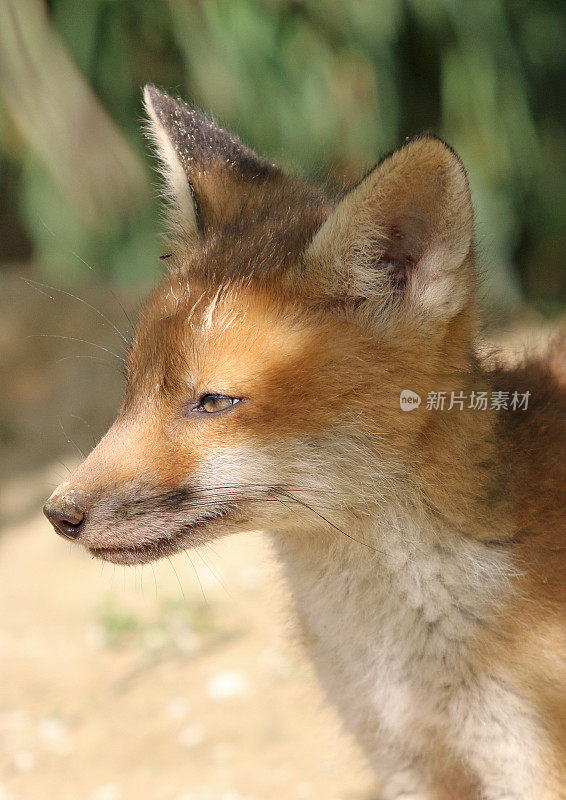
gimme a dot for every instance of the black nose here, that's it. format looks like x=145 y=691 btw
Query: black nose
x=66 y=513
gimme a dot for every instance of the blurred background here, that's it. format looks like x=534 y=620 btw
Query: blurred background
x=324 y=88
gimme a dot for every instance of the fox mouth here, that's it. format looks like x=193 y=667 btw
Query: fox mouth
x=160 y=547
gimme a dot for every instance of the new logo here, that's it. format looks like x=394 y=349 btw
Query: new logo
x=409 y=400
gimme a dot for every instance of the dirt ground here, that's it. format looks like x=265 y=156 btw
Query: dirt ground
x=171 y=682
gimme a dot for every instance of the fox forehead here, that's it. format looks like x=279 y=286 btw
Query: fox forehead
x=202 y=338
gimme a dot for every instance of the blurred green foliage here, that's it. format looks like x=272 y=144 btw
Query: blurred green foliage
x=326 y=88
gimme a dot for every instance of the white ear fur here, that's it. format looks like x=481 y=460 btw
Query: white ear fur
x=177 y=191
x=403 y=236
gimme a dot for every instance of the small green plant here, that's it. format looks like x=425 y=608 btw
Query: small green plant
x=176 y=625
x=119 y=627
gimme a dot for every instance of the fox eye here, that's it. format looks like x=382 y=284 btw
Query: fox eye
x=213 y=403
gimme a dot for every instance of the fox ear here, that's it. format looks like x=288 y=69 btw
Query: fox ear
x=402 y=238
x=209 y=174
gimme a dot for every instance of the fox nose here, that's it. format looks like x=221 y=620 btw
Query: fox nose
x=66 y=512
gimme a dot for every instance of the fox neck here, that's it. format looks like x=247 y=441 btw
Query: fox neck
x=407 y=608
x=405 y=558
x=393 y=632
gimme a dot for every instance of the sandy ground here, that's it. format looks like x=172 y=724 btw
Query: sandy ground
x=172 y=682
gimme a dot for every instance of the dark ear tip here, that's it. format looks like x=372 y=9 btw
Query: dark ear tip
x=161 y=102
x=433 y=138
x=150 y=90
x=154 y=96
x=443 y=149
x=163 y=105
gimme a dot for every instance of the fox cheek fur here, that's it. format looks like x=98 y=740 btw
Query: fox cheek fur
x=426 y=551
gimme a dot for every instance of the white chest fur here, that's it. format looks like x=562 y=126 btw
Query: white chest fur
x=390 y=633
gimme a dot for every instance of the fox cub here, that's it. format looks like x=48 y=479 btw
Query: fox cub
x=426 y=551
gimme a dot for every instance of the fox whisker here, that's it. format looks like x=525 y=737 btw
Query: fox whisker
x=76 y=339
x=37 y=285
x=328 y=522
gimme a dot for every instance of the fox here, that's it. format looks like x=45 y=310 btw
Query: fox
x=425 y=548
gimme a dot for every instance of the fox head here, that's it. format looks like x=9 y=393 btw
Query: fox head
x=264 y=378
